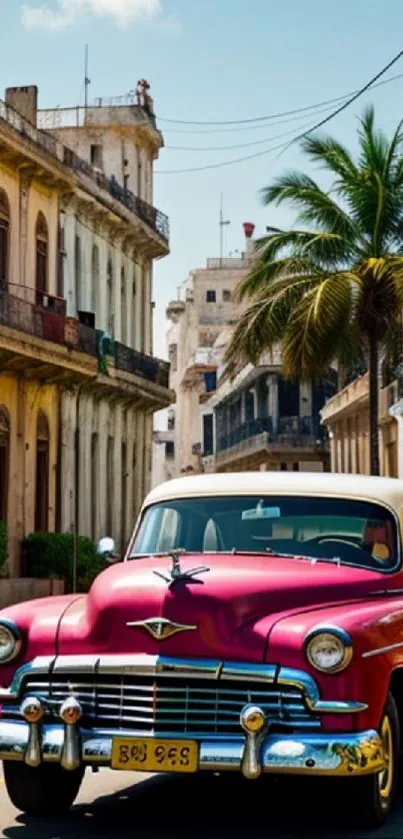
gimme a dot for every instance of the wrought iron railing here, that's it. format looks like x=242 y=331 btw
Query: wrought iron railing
x=139 y=364
x=150 y=215
x=294 y=432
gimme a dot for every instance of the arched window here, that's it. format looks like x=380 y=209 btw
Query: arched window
x=4 y=460
x=42 y=257
x=4 y=238
x=95 y=301
x=42 y=474
x=123 y=307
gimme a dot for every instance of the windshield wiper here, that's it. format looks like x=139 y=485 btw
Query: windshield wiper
x=312 y=559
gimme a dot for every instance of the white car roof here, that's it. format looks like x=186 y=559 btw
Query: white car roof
x=388 y=491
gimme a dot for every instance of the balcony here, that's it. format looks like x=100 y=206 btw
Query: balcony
x=145 y=366
x=156 y=220
x=36 y=339
x=295 y=433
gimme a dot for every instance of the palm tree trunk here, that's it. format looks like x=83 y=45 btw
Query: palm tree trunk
x=373 y=404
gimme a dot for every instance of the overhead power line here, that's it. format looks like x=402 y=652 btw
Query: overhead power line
x=298 y=137
x=244 y=145
x=292 y=112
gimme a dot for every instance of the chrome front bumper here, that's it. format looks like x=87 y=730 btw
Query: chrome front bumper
x=317 y=754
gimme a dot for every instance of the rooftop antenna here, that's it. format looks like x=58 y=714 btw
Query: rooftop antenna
x=87 y=80
x=223 y=223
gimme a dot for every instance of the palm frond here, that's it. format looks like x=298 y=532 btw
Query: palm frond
x=314 y=330
x=331 y=154
x=315 y=207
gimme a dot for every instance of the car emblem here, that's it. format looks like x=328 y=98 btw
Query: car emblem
x=176 y=575
x=161 y=628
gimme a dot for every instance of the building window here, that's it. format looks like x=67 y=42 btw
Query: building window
x=139 y=172
x=60 y=267
x=173 y=357
x=211 y=296
x=97 y=156
x=133 y=329
x=208 y=437
x=4 y=238
x=109 y=300
x=4 y=461
x=226 y=295
x=283 y=467
x=95 y=285
x=42 y=474
x=295 y=467
x=169 y=449
x=42 y=254
x=123 y=307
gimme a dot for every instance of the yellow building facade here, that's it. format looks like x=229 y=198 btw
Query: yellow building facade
x=346 y=416
x=49 y=356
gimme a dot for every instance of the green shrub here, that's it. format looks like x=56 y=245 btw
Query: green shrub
x=50 y=556
x=3 y=547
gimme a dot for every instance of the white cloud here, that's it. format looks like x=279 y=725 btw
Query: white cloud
x=122 y=12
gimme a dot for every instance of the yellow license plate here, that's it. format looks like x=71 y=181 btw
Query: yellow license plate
x=148 y=755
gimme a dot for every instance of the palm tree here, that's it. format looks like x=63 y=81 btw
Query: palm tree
x=331 y=290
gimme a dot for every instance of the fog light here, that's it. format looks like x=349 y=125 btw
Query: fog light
x=71 y=711
x=32 y=709
x=253 y=719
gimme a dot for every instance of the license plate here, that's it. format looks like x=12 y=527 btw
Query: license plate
x=148 y=755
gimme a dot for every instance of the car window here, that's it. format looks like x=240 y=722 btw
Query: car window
x=352 y=531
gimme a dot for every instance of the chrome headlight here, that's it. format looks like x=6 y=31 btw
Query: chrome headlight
x=10 y=641
x=328 y=649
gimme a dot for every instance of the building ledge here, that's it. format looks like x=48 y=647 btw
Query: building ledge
x=347 y=401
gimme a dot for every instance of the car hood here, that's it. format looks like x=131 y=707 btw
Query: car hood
x=226 y=612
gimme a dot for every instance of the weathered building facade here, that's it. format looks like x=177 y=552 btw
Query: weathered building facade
x=196 y=325
x=261 y=421
x=78 y=387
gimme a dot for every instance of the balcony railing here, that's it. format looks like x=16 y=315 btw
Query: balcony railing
x=150 y=215
x=293 y=432
x=144 y=211
x=24 y=315
x=145 y=366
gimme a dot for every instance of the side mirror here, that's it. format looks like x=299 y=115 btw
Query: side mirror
x=106 y=547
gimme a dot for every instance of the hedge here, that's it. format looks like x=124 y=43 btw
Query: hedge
x=3 y=547
x=50 y=556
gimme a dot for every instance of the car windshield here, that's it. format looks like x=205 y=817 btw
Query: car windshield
x=353 y=532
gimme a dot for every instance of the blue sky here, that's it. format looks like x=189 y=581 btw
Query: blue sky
x=209 y=60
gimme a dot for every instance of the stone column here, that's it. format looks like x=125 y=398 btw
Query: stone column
x=333 y=452
x=116 y=489
x=139 y=469
x=272 y=384
x=104 y=492
x=85 y=427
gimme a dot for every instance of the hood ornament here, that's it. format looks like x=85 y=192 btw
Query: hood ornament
x=176 y=575
x=161 y=628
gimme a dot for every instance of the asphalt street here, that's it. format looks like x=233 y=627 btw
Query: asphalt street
x=121 y=805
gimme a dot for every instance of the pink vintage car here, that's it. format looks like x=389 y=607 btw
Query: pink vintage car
x=255 y=626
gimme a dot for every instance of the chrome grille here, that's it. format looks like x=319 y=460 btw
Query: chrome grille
x=175 y=705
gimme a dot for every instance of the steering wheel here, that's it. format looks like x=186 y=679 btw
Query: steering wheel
x=353 y=541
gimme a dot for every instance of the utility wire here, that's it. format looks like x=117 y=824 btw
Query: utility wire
x=252 y=142
x=284 y=146
x=292 y=112
x=349 y=101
